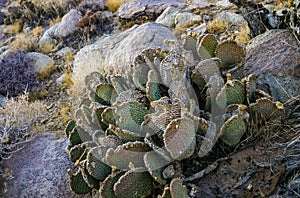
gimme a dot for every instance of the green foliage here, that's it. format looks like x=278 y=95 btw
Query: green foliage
x=152 y=133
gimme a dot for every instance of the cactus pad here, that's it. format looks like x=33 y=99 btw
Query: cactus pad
x=230 y=53
x=106 y=188
x=233 y=92
x=155 y=165
x=134 y=184
x=180 y=138
x=266 y=110
x=131 y=115
x=95 y=165
x=177 y=189
x=205 y=69
x=77 y=183
x=152 y=86
x=127 y=156
x=106 y=93
x=207 y=46
x=234 y=128
x=108 y=116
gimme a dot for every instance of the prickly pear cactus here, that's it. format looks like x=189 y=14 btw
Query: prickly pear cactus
x=138 y=141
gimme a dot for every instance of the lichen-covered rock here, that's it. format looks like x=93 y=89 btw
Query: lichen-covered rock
x=42 y=63
x=68 y=24
x=116 y=53
x=147 y=8
x=275 y=63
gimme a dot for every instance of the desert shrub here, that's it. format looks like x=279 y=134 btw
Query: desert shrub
x=25 y=41
x=17 y=119
x=34 y=11
x=16 y=73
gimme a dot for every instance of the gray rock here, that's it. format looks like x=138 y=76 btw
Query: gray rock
x=225 y=4
x=115 y=54
x=148 y=8
x=43 y=64
x=231 y=18
x=40 y=169
x=167 y=18
x=182 y=19
x=48 y=40
x=68 y=24
x=274 y=57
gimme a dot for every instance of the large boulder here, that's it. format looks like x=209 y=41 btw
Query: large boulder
x=68 y=24
x=274 y=57
x=39 y=169
x=148 y=8
x=115 y=53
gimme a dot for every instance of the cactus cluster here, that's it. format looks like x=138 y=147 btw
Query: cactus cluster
x=134 y=137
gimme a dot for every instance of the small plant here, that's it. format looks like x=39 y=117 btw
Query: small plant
x=216 y=26
x=17 y=74
x=25 y=41
x=17 y=121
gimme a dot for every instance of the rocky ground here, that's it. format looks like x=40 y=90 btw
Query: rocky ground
x=90 y=35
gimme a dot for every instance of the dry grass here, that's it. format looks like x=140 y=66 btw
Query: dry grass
x=243 y=36
x=18 y=118
x=216 y=26
x=113 y=5
x=25 y=41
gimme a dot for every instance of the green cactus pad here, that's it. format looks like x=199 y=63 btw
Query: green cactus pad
x=190 y=43
x=83 y=135
x=108 y=116
x=74 y=137
x=98 y=112
x=70 y=126
x=107 y=93
x=207 y=46
x=266 y=110
x=92 y=80
x=205 y=69
x=230 y=53
x=131 y=115
x=76 y=152
x=234 y=128
x=251 y=88
x=172 y=68
x=152 y=86
x=134 y=183
x=180 y=138
x=106 y=188
x=127 y=156
x=110 y=141
x=155 y=165
x=233 y=92
x=129 y=96
x=119 y=83
x=95 y=165
x=89 y=179
x=124 y=135
x=177 y=189
x=77 y=183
